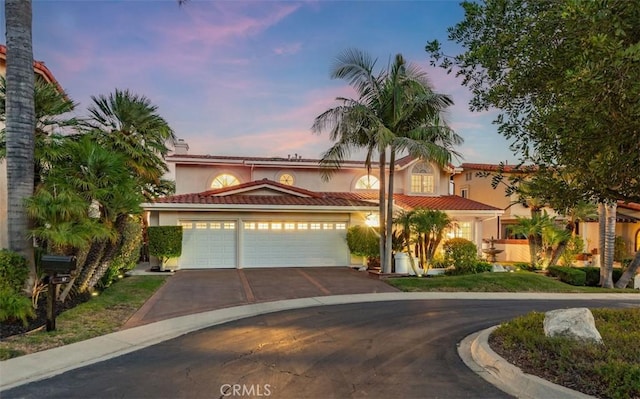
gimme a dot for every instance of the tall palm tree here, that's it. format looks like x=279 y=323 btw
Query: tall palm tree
x=430 y=225
x=129 y=124
x=19 y=125
x=396 y=111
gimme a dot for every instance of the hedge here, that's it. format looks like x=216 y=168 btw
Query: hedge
x=568 y=275
x=13 y=270
x=593 y=275
x=165 y=242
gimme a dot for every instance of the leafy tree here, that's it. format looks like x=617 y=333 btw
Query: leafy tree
x=396 y=111
x=565 y=78
x=430 y=226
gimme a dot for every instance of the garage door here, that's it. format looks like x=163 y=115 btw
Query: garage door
x=207 y=245
x=282 y=244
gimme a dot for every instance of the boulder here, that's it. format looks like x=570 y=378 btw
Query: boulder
x=497 y=268
x=576 y=323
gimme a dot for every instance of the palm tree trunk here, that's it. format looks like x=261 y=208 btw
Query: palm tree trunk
x=389 y=226
x=610 y=238
x=559 y=250
x=90 y=265
x=382 y=209
x=602 y=233
x=20 y=125
x=533 y=251
x=630 y=272
x=110 y=252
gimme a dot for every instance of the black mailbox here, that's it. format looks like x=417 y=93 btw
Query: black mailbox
x=57 y=264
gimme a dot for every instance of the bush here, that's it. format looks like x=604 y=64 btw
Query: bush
x=165 y=242
x=462 y=254
x=15 y=306
x=363 y=241
x=568 y=275
x=593 y=275
x=619 y=249
x=575 y=246
x=526 y=266
x=14 y=270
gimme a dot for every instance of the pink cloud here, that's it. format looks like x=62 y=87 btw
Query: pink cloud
x=287 y=49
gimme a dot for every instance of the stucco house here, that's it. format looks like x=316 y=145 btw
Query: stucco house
x=473 y=181
x=42 y=72
x=265 y=212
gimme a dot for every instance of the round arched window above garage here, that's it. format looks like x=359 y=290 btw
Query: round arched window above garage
x=286 y=179
x=367 y=182
x=224 y=180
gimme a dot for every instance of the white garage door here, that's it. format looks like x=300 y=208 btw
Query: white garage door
x=208 y=244
x=282 y=244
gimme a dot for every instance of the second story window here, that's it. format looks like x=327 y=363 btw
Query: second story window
x=224 y=180
x=368 y=182
x=422 y=179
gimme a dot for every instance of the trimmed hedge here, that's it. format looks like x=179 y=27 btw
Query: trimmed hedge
x=593 y=275
x=568 y=275
x=14 y=270
x=165 y=242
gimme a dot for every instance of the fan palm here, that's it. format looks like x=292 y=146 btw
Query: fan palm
x=396 y=111
x=430 y=226
x=129 y=124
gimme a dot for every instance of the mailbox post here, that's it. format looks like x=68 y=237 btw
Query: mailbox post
x=58 y=269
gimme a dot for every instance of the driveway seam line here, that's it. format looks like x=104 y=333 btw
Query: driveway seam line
x=248 y=292
x=315 y=282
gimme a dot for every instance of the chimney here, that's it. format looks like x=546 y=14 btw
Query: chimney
x=180 y=147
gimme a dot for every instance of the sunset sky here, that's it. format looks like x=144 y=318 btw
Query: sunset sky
x=246 y=78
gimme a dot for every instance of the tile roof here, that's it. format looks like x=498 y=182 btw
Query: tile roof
x=487 y=167
x=443 y=202
x=38 y=66
x=264 y=183
x=261 y=200
x=629 y=205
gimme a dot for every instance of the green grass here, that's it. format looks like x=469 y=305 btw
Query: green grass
x=101 y=315
x=520 y=281
x=611 y=370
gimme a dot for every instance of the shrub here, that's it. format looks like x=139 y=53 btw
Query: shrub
x=462 y=254
x=14 y=270
x=526 y=266
x=15 y=306
x=165 y=242
x=593 y=275
x=363 y=241
x=568 y=275
x=619 y=249
x=575 y=246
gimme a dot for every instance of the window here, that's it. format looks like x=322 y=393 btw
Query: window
x=315 y=226
x=186 y=225
x=250 y=226
x=229 y=226
x=464 y=192
x=303 y=226
x=224 y=180
x=461 y=230
x=263 y=226
x=468 y=176
x=367 y=182
x=201 y=226
x=216 y=226
x=327 y=226
x=637 y=240
x=286 y=179
x=289 y=226
x=422 y=180
x=276 y=226
x=341 y=226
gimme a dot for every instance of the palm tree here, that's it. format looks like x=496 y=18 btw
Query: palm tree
x=396 y=111
x=19 y=125
x=430 y=226
x=532 y=228
x=129 y=124
x=405 y=219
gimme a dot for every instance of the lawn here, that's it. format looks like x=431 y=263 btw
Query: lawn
x=520 y=281
x=100 y=315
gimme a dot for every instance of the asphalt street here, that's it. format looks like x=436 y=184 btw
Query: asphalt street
x=396 y=349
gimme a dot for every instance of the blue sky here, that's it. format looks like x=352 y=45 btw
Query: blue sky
x=246 y=78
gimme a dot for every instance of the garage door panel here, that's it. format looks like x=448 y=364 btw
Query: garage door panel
x=208 y=245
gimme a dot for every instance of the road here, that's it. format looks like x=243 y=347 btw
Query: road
x=398 y=349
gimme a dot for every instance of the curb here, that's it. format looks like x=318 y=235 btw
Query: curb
x=479 y=357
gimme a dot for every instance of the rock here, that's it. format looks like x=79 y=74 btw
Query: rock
x=576 y=323
x=497 y=268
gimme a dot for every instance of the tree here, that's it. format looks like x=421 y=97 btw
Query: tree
x=533 y=228
x=129 y=124
x=405 y=219
x=565 y=78
x=397 y=111
x=20 y=124
x=430 y=226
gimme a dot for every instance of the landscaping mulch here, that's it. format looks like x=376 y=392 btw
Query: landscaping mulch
x=8 y=329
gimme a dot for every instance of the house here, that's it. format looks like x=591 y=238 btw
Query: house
x=473 y=181
x=42 y=72
x=265 y=212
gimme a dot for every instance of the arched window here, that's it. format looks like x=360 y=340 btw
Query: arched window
x=368 y=182
x=422 y=179
x=286 y=179
x=224 y=180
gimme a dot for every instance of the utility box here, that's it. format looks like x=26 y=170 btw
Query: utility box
x=57 y=264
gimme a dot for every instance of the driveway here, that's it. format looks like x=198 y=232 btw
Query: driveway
x=194 y=291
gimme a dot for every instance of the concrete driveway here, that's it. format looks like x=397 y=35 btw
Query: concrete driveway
x=194 y=291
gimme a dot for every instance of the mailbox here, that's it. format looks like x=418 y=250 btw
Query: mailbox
x=56 y=264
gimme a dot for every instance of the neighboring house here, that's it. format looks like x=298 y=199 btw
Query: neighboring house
x=268 y=212
x=473 y=181
x=42 y=72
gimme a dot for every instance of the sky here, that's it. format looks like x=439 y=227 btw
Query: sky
x=248 y=78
